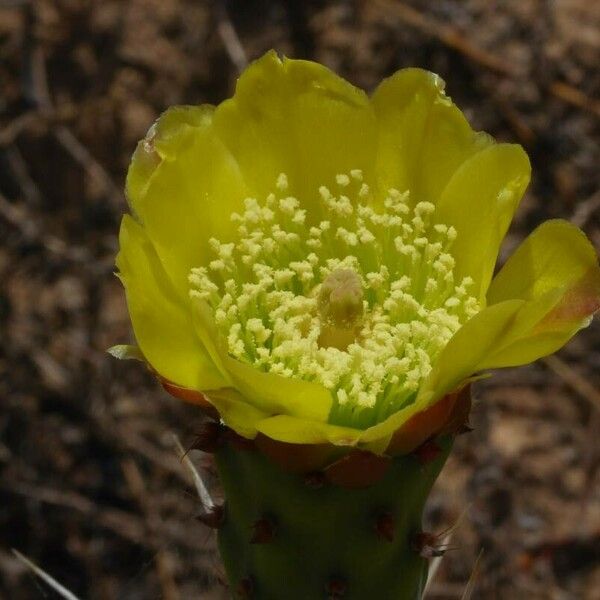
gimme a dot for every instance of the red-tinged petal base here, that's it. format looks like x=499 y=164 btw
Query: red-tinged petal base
x=190 y=396
x=296 y=458
x=348 y=468
x=448 y=415
x=581 y=301
x=459 y=416
x=427 y=452
x=358 y=469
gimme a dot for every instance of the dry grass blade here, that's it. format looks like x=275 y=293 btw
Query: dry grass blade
x=435 y=565
x=203 y=494
x=437 y=561
x=62 y=591
x=230 y=38
x=470 y=587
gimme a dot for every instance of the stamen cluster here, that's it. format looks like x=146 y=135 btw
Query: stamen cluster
x=264 y=289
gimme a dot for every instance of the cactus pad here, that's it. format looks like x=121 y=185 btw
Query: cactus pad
x=297 y=537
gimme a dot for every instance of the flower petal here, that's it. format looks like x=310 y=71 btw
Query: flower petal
x=299 y=118
x=296 y=430
x=555 y=254
x=558 y=261
x=183 y=186
x=236 y=412
x=479 y=201
x=400 y=433
x=162 y=142
x=423 y=136
x=546 y=292
x=467 y=350
x=162 y=326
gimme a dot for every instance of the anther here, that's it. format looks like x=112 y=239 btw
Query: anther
x=214 y=517
x=282 y=182
x=311 y=318
x=263 y=531
x=385 y=526
x=342 y=179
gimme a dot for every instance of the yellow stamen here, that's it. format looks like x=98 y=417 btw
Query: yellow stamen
x=361 y=301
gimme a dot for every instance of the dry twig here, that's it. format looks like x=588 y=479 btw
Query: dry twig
x=9 y=133
x=571 y=95
x=18 y=166
x=453 y=38
x=18 y=217
x=124 y=524
x=83 y=156
x=586 y=209
x=40 y=90
x=572 y=378
x=449 y=36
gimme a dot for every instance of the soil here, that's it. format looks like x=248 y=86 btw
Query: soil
x=91 y=488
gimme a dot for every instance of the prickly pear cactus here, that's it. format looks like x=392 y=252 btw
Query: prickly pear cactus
x=300 y=537
x=313 y=267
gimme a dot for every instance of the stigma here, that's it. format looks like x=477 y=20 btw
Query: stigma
x=341 y=308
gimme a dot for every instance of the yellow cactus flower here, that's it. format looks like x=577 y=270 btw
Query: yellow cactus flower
x=319 y=264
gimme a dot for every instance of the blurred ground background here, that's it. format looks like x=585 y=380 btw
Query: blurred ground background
x=90 y=486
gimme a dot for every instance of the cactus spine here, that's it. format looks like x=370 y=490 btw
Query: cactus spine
x=286 y=536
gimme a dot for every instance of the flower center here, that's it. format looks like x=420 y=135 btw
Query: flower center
x=359 y=300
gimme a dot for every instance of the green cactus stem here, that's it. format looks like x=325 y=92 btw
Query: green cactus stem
x=286 y=536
